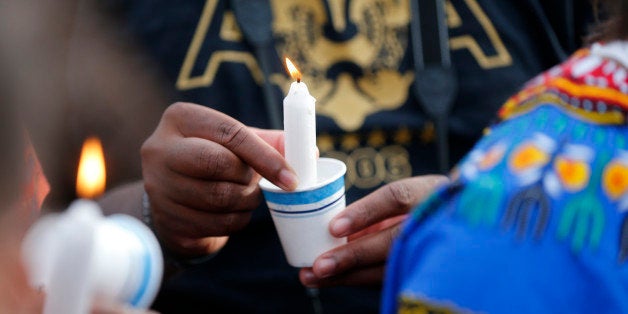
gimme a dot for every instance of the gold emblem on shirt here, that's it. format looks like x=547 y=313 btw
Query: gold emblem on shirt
x=376 y=48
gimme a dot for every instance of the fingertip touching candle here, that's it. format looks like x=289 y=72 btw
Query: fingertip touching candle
x=299 y=120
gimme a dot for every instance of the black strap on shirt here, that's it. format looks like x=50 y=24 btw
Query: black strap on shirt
x=549 y=30
x=254 y=18
x=436 y=83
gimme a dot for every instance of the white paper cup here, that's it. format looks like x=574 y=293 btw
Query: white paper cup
x=126 y=246
x=302 y=217
x=79 y=256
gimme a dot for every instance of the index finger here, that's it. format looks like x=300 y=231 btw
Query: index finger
x=198 y=121
x=388 y=201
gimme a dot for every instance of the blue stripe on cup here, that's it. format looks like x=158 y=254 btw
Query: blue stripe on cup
x=309 y=211
x=305 y=197
x=140 y=294
x=144 y=292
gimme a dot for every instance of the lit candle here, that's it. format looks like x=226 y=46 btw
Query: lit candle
x=79 y=256
x=299 y=121
x=91 y=177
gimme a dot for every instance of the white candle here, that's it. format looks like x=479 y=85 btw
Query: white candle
x=299 y=120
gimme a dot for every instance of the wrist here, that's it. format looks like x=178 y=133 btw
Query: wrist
x=172 y=259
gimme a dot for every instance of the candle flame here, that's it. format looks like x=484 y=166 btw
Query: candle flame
x=91 y=177
x=292 y=69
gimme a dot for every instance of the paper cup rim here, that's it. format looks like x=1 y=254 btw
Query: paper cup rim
x=320 y=182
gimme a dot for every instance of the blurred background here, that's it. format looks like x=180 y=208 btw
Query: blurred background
x=73 y=74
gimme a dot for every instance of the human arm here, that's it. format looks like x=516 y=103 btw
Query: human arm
x=371 y=224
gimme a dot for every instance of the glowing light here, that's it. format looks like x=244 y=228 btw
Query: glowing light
x=292 y=69
x=91 y=177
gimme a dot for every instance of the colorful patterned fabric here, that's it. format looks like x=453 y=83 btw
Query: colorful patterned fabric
x=535 y=220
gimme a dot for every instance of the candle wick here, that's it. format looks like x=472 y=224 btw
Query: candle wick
x=298 y=80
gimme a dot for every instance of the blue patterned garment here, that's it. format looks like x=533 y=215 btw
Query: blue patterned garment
x=535 y=220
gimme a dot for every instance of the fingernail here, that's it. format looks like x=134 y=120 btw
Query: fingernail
x=308 y=277
x=288 y=179
x=340 y=227
x=325 y=267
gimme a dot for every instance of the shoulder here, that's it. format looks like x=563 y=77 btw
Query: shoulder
x=592 y=86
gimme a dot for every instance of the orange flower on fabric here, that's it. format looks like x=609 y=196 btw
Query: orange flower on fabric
x=573 y=174
x=528 y=156
x=615 y=179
